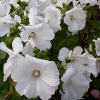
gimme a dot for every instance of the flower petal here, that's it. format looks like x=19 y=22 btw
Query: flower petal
x=77 y=51
x=17 y=45
x=44 y=90
x=63 y=54
x=4 y=48
x=7 y=69
x=70 y=72
x=50 y=74
x=27 y=87
x=41 y=43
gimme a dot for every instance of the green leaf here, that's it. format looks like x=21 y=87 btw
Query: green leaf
x=2 y=54
x=95 y=24
x=96 y=83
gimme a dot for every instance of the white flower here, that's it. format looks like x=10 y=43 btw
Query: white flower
x=53 y=17
x=36 y=77
x=13 y=55
x=75 y=19
x=97 y=45
x=77 y=60
x=75 y=85
x=41 y=35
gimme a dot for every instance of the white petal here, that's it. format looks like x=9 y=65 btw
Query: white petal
x=4 y=29
x=25 y=35
x=27 y=87
x=91 y=68
x=46 y=32
x=92 y=2
x=77 y=51
x=64 y=95
x=35 y=63
x=28 y=49
x=98 y=65
x=73 y=27
x=32 y=16
x=69 y=93
x=32 y=3
x=42 y=30
x=80 y=85
x=50 y=74
x=70 y=72
x=17 y=45
x=17 y=18
x=81 y=59
x=44 y=90
x=81 y=68
x=14 y=3
x=19 y=69
x=4 y=48
x=7 y=69
x=63 y=54
x=41 y=43
x=67 y=19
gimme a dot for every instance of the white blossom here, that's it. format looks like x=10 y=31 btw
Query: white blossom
x=77 y=60
x=41 y=35
x=75 y=19
x=35 y=76
x=75 y=85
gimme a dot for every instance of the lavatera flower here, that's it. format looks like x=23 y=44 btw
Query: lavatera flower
x=75 y=57
x=41 y=34
x=75 y=19
x=74 y=86
x=36 y=77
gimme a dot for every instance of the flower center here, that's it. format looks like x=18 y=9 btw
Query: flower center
x=71 y=17
x=36 y=73
x=32 y=35
x=54 y=1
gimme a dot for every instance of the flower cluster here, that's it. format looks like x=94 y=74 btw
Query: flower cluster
x=50 y=46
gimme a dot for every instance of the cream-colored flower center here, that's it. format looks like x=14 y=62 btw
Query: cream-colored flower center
x=36 y=73
x=71 y=17
x=54 y=1
x=32 y=35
